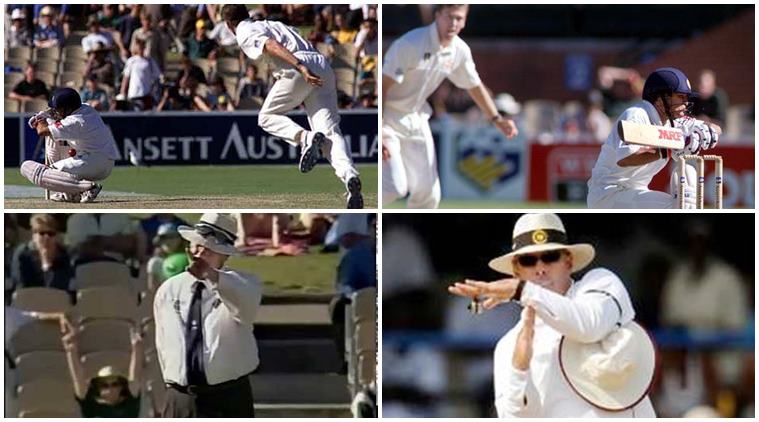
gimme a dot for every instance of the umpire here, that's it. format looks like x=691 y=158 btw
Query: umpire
x=204 y=327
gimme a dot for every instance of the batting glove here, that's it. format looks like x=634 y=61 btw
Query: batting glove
x=37 y=117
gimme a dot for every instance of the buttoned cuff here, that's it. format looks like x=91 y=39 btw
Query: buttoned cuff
x=516 y=388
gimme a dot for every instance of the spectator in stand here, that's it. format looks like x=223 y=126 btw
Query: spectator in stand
x=102 y=237
x=711 y=105
x=224 y=38
x=43 y=261
x=127 y=26
x=31 y=87
x=599 y=124
x=48 y=33
x=141 y=76
x=620 y=87
x=17 y=34
x=343 y=33
x=299 y=14
x=157 y=42
x=93 y=95
x=166 y=242
x=96 y=37
x=199 y=46
x=218 y=98
x=368 y=101
x=150 y=226
x=188 y=69
x=99 y=65
x=251 y=90
x=367 y=41
x=320 y=35
x=186 y=97
x=109 y=394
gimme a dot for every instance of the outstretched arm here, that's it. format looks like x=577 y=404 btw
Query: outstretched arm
x=279 y=51
x=71 y=345
x=484 y=101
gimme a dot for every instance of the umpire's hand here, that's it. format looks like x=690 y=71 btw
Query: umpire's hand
x=523 y=347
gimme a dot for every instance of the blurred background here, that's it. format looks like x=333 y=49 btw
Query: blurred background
x=196 y=67
x=565 y=72
x=316 y=326
x=691 y=279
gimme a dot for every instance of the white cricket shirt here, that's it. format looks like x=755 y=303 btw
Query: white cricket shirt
x=590 y=310
x=606 y=172
x=252 y=36
x=85 y=131
x=228 y=311
x=418 y=64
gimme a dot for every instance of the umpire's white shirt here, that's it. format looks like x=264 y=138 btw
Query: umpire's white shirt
x=228 y=309
x=607 y=173
x=419 y=64
x=85 y=131
x=590 y=310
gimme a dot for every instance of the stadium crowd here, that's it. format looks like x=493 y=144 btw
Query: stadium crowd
x=71 y=327
x=173 y=57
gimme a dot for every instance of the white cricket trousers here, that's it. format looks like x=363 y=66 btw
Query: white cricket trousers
x=289 y=91
x=412 y=167
x=88 y=165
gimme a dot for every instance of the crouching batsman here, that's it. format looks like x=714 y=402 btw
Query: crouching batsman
x=80 y=150
x=623 y=171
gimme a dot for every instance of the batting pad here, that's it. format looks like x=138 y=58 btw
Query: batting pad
x=52 y=179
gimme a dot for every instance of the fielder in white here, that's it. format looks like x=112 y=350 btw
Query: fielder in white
x=576 y=352
x=82 y=150
x=303 y=76
x=415 y=66
x=623 y=171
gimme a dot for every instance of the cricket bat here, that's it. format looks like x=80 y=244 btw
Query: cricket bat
x=651 y=135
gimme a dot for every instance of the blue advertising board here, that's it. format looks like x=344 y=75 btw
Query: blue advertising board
x=176 y=138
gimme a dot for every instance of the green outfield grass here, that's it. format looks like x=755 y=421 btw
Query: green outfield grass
x=251 y=186
x=493 y=204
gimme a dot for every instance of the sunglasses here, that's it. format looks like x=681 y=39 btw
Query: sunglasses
x=112 y=384
x=46 y=233
x=549 y=257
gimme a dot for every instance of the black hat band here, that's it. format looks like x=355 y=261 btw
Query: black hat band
x=538 y=237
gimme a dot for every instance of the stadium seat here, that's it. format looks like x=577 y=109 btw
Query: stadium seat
x=41 y=299
x=74 y=65
x=70 y=413
x=202 y=64
x=93 y=362
x=102 y=274
x=17 y=63
x=71 y=79
x=102 y=335
x=11 y=106
x=34 y=366
x=541 y=117
x=345 y=80
x=74 y=52
x=250 y=103
x=47 y=77
x=33 y=106
x=345 y=56
x=107 y=302
x=37 y=336
x=47 y=395
x=23 y=53
x=363 y=337
x=228 y=66
x=75 y=39
x=45 y=65
x=53 y=53
x=325 y=49
x=13 y=78
x=230 y=83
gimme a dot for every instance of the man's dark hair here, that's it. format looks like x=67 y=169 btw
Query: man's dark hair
x=234 y=13
x=440 y=7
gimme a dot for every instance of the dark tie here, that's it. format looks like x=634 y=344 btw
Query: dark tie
x=194 y=338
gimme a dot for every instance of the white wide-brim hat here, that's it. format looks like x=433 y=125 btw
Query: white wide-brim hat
x=538 y=233
x=214 y=231
x=613 y=374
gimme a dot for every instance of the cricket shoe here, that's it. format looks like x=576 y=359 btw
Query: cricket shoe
x=355 y=199
x=310 y=151
x=65 y=197
x=90 y=195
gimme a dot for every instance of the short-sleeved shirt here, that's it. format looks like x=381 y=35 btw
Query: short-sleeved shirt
x=252 y=36
x=143 y=73
x=418 y=64
x=129 y=408
x=199 y=49
x=33 y=89
x=607 y=172
x=85 y=131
